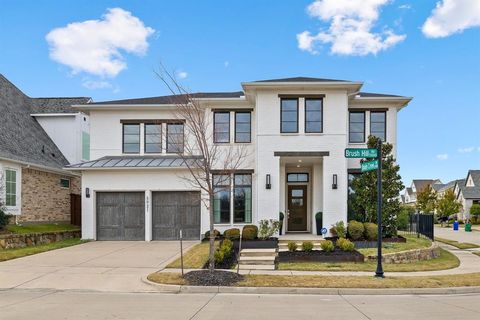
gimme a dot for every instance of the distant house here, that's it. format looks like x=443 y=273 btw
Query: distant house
x=38 y=138
x=468 y=193
x=410 y=194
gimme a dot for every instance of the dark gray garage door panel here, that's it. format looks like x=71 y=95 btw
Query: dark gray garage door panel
x=175 y=210
x=120 y=216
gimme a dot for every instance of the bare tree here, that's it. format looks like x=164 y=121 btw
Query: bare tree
x=197 y=149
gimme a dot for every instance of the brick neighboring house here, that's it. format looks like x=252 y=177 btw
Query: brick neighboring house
x=35 y=187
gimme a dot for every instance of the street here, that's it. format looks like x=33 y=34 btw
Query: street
x=50 y=304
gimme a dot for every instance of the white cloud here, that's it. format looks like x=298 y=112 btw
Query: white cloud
x=94 y=46
x=226 y=64
x=443 y=156
x=350 y=31
x=405 y=6
x=93 y=85
x=452 y=16
x=182 y=74
x=466 y=150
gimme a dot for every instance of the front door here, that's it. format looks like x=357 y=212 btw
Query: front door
x=297 y=208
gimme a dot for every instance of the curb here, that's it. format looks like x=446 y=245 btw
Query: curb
x=169 y=288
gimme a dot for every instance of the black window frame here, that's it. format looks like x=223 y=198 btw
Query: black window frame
x=123 y=137
x=250 y=123
x=349 y=126
x=297 y=173
x=222 y=188
x=168 y=136
x=242 y=186
x=281 y=114
x=321 y=114
x=67 y=185
x=215 y=123
x=145 y=143
x=384 y=124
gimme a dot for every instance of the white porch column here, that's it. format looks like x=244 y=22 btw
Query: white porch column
x=148 y=215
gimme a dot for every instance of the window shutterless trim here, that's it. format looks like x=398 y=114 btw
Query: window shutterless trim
x=297 y=173
x=367 y=109
x=214 y=124
x=145 y=136
x=321 y=115
x=297 y=96
x=232 y=109
x=364 y=127
x=227 y=172
x=250 y=122
x=384 y=124
x=281 y=115
x=183 y=138
x=151 y=121
x=123 y=138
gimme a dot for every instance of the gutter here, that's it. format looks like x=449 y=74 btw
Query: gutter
x=43 y=168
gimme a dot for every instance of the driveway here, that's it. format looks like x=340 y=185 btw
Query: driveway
x=460 y=235
x=99 y=265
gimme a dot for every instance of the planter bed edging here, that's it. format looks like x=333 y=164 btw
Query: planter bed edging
x=13 y=241
x=409 y=255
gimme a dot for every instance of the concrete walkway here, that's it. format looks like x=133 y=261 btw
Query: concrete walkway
x=469 y=263
x=101 y=265
x=460 y=235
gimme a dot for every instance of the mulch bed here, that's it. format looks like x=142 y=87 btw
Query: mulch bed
x=320 y=256
x=215 y=278
x=271 y=243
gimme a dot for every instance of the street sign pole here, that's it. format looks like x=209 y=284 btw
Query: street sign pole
x=379 y=272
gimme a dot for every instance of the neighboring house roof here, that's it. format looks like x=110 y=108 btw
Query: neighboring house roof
x=450 y=185
x=437 y=187
x=22 y=138
x=409 y=191
x=57 y=104
x=471 y=192
x=475 y=177
x=136 y=162
x=302 y=79
x=420 y=184
x=172 y=99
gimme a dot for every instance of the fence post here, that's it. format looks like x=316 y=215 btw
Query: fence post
x=181 y=250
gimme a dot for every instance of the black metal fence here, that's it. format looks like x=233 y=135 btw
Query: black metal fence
x=420 y=225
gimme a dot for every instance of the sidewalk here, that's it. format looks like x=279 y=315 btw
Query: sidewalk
x=469 y=263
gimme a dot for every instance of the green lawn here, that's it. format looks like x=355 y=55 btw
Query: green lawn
x=195 y=258
x=477 y=253
x=40 y=228
x=412 y=243
x=9 y=254
x=446 y=260
x=459 y=245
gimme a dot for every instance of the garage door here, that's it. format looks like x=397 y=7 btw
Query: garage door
x=172 y=211
x=120 y=216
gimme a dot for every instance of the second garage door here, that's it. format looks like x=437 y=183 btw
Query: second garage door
x=120 y=216
x=175 y=210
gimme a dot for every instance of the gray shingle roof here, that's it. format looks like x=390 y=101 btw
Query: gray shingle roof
x=172 y=99
x=21 y=137
x=471 y=192
x=475 y=177
x=302 y=79
x=136 y=162
x=420 y=184
x=57 y=105
x=450 y=185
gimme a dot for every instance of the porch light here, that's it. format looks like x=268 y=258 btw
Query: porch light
x=87 y=192
x=268 y=185
x=334 y=184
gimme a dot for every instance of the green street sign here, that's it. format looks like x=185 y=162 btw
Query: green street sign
x=360 y=153
x=369 y=165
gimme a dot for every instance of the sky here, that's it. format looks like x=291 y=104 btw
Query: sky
x=107 y=50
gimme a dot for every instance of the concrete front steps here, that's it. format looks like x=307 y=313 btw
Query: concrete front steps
x=257 y=259
x=283 y=244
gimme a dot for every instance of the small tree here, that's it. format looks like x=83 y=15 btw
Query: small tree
x=426 y=200
x=475 y=211
x=448 y=205
x=4 y=217
x=365 y=188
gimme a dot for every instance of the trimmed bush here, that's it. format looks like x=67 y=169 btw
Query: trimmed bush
x=327 y=246
x=215 y=232
x=371 y=231
x=307 y=246
x=223 y=251
x=292 y=246
x=232 y=234
x=345 y=244
x=355 y=230
x=338 y=229
x=249 y=232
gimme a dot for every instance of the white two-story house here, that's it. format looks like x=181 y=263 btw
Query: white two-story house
x=295 y=129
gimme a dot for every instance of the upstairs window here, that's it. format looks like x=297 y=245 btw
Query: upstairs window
x=289 y=116
x=313 y=115
x=243 y=127
x=221 y=123
x=378 y=124
x=131 y=138
x=153 y=138
x=175 y=137
x=10 y=188
x=356 y=131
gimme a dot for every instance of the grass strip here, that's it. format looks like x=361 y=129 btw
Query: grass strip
x=413 y=242
x=40 y=228
x=459 y=245
x=8 y=254
x=195 y=258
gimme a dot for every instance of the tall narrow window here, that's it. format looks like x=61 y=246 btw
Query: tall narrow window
x=242 y=191
x=131 y=138
x=153 y=138
x=175 y=137
x=378 y=124
x=289 y=116
x=243 y=127
x=221 y=198
x=221 y=123
x=10 y=188
x=356 y=127
x=313 y=115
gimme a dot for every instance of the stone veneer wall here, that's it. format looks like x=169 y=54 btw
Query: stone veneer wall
x=43 y=199
x=409 y=256
x=11 y=241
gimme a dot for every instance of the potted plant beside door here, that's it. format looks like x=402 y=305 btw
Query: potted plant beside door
x=319 y=222
x=282 y=216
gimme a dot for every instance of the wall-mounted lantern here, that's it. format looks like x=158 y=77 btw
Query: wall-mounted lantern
x=334 y=183
x=268 y=184
x=87 y=192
